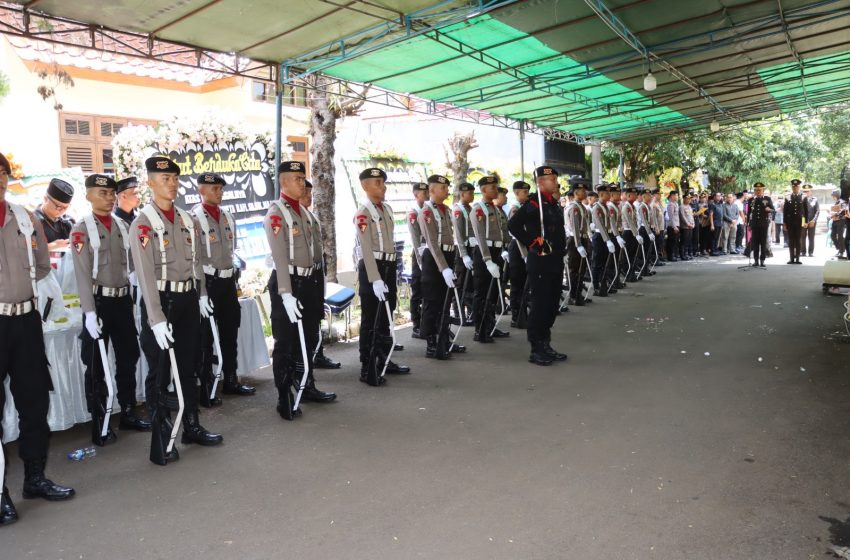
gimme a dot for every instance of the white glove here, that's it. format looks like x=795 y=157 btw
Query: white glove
x=206 y=307
x=421 y=249
x=93 y=324
x=164 y=335
x=610 y=245
x=292 y=305
x=493 y=269
x=639 y=238
x=134 y=280
x=582 y=251
x=467 y=262
x=621 y=241
x=652 y=237
x=505 y=256
x=380 y=288
x=449 y=277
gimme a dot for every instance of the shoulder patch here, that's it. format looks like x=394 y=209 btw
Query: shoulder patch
x=275 y=221
x=144 y=235
x=78 y=241
x=412 y=217
x=362 y=222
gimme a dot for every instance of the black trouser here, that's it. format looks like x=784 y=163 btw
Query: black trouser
x=686 y=249
x=739 y=236
x=672 y=244
x=837 y=235
x=706 y=239
x=182 y=312
x=600 y=263
x=484 y=310
x=116 y=313
x=415 y=292
x=371 y=309
x=715 y=242
x=518 y=274
x=286 y=354
x=794 y=240
x=808 y=233
x=648 y=254
x=694 y=244
x=578 y=267
x=228 y=315
x=758 y=241
x=435 y=316
x=23 y=359
x=545 y=275
x=633 y=255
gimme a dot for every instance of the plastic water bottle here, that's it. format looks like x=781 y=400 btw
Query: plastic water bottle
x=82 y=454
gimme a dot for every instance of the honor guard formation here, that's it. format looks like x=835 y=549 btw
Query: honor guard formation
x=473 y=264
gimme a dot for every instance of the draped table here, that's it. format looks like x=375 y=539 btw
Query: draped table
x=68 y=398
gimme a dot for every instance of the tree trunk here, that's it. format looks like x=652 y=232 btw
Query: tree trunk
x=322 y=171
x=457 y=156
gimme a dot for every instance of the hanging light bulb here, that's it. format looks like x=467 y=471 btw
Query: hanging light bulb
x=715 y=126
x=649 y=83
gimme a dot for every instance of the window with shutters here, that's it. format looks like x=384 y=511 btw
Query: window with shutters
x=298 y=146
x=86 y=140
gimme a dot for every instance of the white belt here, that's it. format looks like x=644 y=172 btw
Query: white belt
x=13 y=309
x=218 y=272
x=110 y=292
x=176 y=287
x=447 y=248
x=384 y=256
x=301 y=270
x=496 y=244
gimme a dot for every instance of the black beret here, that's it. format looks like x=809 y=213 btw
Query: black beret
x=758 y=186
x=592 y=193
x=671 y=193
x=60 y=191
x=127 y=183
x=102 y=181
x=601 y=187
x=795 y=182
x=579 y=181
x=161 y=164
x=291 y=167
x=503 y=190
x=211 y=179
x=521 y=185
x=807 y=187
x=545 y=170
x=4 y=163
x=420 y=187
x=308 y=184
x=488 y=180
x=688 y=195
x=371 y=173
x=465 y=187
x=631 y=190
x=439 y=179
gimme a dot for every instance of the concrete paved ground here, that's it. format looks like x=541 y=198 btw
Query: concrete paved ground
x=640 y=446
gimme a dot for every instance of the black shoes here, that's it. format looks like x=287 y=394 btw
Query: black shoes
x=393 y=367
x=129 y=420
x=232 y=386
x=204 y=397
x=416 y=333
x=457 y=349
x=36 y=485
x=482 y=337
x=312 y=394
x=8 y=513
x=323 y=362
x=364 y=377
x=552 y=353
x=599 y=293
x=500 y=334
x=539 y=356
x=193 y=432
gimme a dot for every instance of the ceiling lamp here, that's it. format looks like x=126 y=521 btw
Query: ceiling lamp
x=649 y=83
x=715 y=126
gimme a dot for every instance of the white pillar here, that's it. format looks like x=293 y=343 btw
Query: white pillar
x=596 y=163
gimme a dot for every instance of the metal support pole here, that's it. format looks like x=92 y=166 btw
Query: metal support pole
x=278 y=135
x=596 y=163
x=621 y=172
x=522 y=150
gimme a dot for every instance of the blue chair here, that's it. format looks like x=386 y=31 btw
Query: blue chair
x=338 y=299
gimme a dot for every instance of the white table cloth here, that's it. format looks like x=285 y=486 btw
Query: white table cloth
x=68 y=399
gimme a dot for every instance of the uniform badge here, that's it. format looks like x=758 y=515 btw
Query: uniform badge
x=78 y=241
x=295 y=230
x=212 y=237
x=362 y=222
x=144 y=235
x=34 y=243
x=457 y=213
x=230 y=235
x=479 y=213
x=429 y=217
x=275 y=223
x=165 y=242
x=412 y=217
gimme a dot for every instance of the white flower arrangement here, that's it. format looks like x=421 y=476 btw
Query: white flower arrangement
x=133 y=144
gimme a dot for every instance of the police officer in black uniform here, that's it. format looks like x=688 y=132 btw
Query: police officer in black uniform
x=759 y=215
x=517 y=255
x=794 y=212
x=127 y=199
x=547 y=245
x=51 y=213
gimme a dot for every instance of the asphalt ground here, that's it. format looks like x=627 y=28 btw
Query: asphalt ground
x=702 y=414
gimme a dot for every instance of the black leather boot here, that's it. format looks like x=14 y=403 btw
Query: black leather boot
x=161 y=427
x=232 y=386
x=129 y=420
x=312 y=394
x=193 y=432
x=482 y=336
x=204 y=394
x=8 y=513
x=552 y=353
x=416 y=333
x=364 y=377
x=500 y=334
x=97 y=417
x=538 y=355
x=323 y=362
x=431 y=346
x=36 y=485
x=400 y=369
